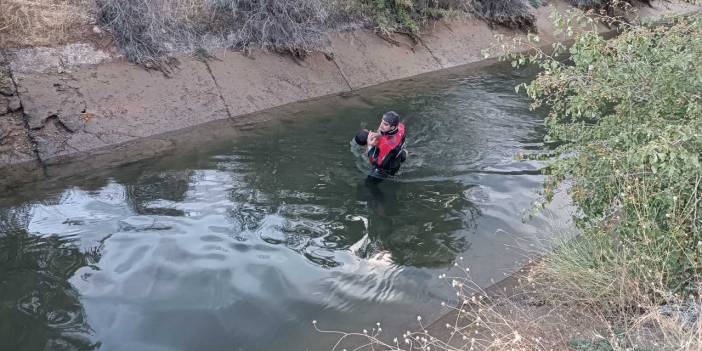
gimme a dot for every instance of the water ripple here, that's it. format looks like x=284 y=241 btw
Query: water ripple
x=256 y=234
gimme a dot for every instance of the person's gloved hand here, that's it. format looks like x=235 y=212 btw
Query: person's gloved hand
x=373 y=138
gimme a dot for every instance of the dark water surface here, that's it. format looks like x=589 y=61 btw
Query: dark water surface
x=243 y=234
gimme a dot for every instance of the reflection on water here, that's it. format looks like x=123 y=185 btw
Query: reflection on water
x=39 y=308
x=239 y=241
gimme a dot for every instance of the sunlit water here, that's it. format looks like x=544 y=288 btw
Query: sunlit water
x=240 y=241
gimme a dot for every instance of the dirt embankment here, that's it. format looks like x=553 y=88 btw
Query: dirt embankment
x=83 y=99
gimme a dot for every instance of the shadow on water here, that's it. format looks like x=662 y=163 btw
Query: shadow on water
x=420 y=229
x=238 y=235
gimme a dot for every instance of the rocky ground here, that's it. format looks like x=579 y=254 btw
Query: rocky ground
x=15 y=144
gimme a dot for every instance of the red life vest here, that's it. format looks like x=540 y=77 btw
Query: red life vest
x=389 y=147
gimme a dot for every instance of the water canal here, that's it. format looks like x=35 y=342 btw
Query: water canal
x=240 y=238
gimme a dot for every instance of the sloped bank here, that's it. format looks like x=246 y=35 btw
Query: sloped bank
x=80 y=102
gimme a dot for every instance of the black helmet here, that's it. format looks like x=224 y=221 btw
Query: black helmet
x=392 y=118
x=362 y=137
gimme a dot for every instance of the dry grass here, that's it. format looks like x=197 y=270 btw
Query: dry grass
x=543 y=308
x=43 y=22
x=149 y=30
x=567 y=302
x=549 y=312
x=515 y=14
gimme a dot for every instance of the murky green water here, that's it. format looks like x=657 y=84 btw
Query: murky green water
x=242 y=235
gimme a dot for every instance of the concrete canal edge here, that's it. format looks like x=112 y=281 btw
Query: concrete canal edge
x=60 y=104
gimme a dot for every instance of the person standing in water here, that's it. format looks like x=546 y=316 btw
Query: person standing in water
x=385 y=146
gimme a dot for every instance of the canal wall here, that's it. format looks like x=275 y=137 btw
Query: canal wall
x=80 y=101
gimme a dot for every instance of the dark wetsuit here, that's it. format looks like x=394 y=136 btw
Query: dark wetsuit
x=388 y=155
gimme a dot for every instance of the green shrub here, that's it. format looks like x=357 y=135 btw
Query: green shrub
x=627 y=114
